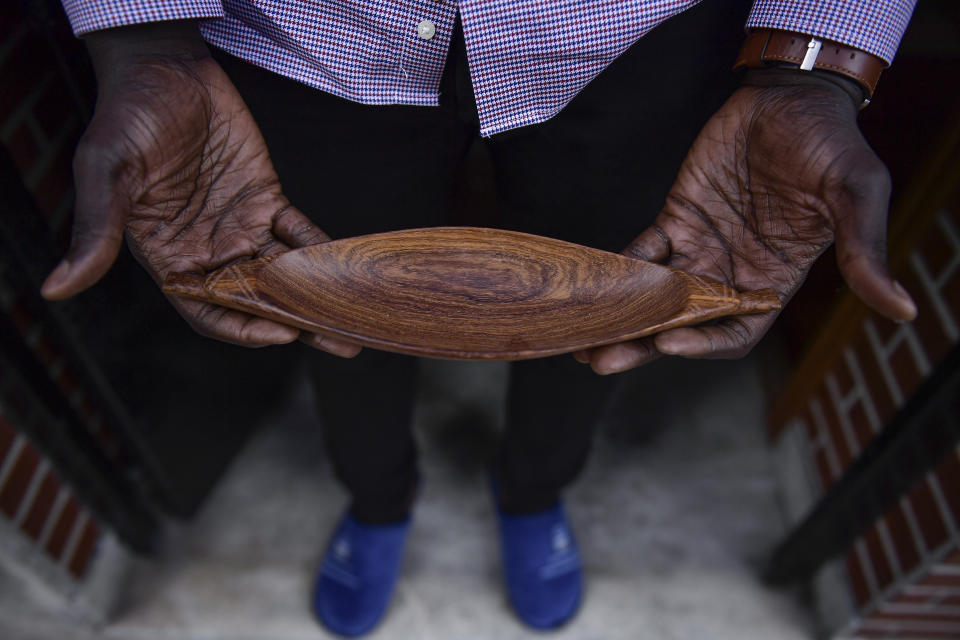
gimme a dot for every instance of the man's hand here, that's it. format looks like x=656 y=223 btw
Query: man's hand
x=173 y=159
x=774 y=176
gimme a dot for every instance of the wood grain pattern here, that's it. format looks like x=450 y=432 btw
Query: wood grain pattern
x=468 y=293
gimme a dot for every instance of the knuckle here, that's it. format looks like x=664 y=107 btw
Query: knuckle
x=737 y=341
x=877 y=179
x=205 y=321
x=97 y=160
x=869 y=179
x=93 y=152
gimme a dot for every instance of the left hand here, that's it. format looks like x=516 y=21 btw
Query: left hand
x=773 y=178
x=174 y=161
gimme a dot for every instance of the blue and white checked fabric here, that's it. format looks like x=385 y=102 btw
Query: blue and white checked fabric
x=527 y=59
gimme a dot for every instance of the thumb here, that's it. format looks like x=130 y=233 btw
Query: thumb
x=102 y=203
x=652 y=245
x=295 y=229
x=861 y=238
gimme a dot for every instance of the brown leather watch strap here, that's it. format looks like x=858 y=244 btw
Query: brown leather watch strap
x=765 y=47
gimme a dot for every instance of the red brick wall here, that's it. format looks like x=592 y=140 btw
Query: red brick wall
x=41 y=505
x=904 y=572
x=40 y=122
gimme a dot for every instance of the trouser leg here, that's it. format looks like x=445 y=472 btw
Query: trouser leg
x=356 y=169
x=597 y=174
x=365 y=405
x=552 y=409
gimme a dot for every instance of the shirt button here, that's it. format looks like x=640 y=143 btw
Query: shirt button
x=426 y=29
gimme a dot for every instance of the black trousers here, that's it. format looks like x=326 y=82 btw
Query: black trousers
x=596 y=174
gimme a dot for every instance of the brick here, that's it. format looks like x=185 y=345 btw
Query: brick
x=936 y=251
x=105 y=436
x=932 y=527
x=45 y=351
x=936 y=344
x=951 y=293
x=23 y=148
x=7 y=435
x=67 y=382
x=952 y=600
x=910 y=633
x=11 y=493
x=878 y=558
x=953 y=557
x=842 y=376
x=87 y=409
x=873 y=378
x=939 y=580
x=823 y=468
x=933 y=614
x=61 y=531
x=862 y=429
x=905 y=370
x=84 y=551
x=903 y=543
x=42 y=504
x=913 y=598
x=858 y=582
x=885 y=626
x=834 y=432
x=932 y=592
x=885 y=328
x=948 y=474
x=21 y=318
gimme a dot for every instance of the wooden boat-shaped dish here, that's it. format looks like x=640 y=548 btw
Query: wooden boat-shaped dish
x=468 y=293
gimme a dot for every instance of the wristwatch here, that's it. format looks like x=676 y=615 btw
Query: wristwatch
x=766 y=48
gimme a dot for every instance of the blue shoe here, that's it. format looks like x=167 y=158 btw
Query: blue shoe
x=357 y=575
x=541 y=566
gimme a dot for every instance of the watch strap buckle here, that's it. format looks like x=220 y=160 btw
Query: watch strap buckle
x=810 y=57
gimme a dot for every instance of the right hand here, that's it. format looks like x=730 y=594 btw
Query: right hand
x=173 y=159
x=774 y=176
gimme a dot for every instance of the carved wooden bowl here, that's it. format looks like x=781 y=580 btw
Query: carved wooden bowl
x=468 y=293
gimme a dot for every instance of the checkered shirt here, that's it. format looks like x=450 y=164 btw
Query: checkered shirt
x=527 y=59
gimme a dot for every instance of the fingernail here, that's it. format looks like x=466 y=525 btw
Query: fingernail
x=667 y=347
x=615 y=364
x=583 y=357
x=907 y=299
x=55 y=279
x=336 y=347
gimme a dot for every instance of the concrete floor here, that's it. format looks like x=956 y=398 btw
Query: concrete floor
x=674 y=515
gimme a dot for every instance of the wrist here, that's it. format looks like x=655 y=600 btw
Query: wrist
x=177 y=39
x=793 y=77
